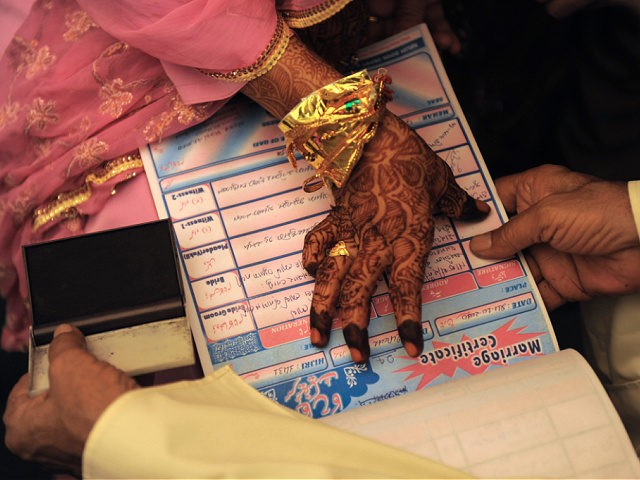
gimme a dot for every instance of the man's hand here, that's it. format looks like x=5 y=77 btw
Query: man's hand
x=579 y=233
x=52 y=428
x=384 y=216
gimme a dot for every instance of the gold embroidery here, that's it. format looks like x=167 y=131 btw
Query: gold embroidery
x=185 y=115
x=115 y=98
x=21 y=206
x=314 y=15
x=8 y=113
x=9 y=181
x=65 y=205
x=85 y=124
x=116 y=94
x=267 y=59
x=41 y=114
x=78 y=23
x=42 y=146
x=33 y=58
x=154 y=129
x=87 y=155
x=72 y=223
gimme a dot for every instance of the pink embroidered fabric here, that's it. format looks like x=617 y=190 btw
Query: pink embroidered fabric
x=83 y=82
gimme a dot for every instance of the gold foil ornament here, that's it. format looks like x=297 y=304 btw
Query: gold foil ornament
x=331 y=126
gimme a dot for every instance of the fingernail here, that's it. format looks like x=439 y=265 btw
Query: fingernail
x=474 y=209
x=483 y=207
x=64 y=328
x=481 y=243
x=411 y=337
x=356 y=355
x=316 y=337
x=358 y=342
x=320 y=328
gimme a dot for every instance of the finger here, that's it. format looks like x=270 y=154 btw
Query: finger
x=440 y=28
x=18 y=395
x=67 y=351
x=405 y=283
x=329 y=277
x=448 y=41
x=522 y=231
x=536 y=274
x=510 y=190
x=561 y=280
x=321 y=238
x=65 y=338
x=373 y=258
x=550 y=296
x=20 y=411
x=521 y=190
x=454 y=201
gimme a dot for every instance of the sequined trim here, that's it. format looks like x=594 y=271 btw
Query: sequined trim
x=314 y=15
x=267 y=59
x=65 y=203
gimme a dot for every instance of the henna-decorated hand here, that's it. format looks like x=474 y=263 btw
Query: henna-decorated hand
x=384 y=214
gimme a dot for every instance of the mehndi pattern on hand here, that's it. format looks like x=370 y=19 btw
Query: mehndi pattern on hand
x=384 y=214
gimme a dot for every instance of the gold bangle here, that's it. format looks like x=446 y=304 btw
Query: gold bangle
x=265 y=62
x=331 y=126
x=314 y=15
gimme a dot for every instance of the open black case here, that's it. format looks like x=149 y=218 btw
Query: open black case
x=122 y=288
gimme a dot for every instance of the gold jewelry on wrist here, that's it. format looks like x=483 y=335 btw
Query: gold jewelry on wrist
x=265 y=62
x=314 y=15
x=331 y=126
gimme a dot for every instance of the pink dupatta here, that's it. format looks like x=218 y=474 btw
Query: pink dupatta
x=83 y=84
x=73 y=96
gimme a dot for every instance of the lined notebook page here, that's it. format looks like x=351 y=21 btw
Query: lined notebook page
x=546 y=417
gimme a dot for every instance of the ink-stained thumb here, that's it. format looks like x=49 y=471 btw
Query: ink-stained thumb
x=66 y=337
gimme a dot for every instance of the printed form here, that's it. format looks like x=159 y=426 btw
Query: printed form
x=240 y=217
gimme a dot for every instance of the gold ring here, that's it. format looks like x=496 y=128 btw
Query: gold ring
x=373 y=19
x=339 y=250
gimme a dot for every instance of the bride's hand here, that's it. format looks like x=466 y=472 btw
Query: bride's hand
x=384 y=216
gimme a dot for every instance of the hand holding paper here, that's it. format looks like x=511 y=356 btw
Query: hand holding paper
x=578 y=230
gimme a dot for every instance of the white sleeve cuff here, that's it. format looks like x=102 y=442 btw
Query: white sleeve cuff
x=221 y=427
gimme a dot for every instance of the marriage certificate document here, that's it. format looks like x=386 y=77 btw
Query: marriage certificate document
x=240 y=217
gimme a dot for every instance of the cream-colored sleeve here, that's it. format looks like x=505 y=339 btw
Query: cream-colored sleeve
x=634 y=196
x=220 y=426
